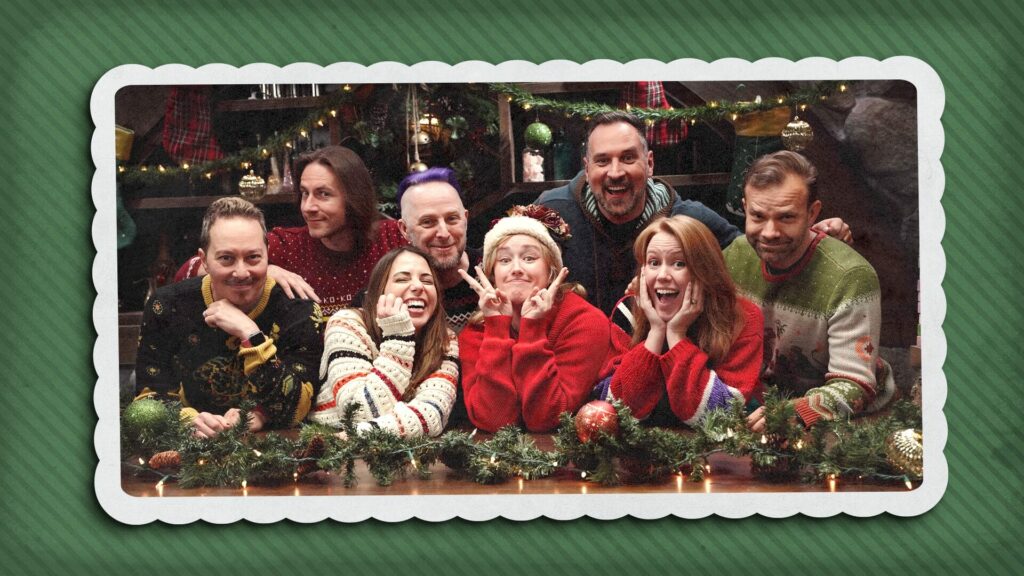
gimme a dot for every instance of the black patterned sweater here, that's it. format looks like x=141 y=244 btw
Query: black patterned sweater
x=182 y=358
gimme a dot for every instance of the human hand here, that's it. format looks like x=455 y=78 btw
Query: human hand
x=226 y=316
x=294 y=286
x=256 y=419
x=836 y=228
x=389 y=305
x=755 y=420
x=647 y=305
x=207 y=425
x=493 y=302
x=689 y=310
x=542 y=299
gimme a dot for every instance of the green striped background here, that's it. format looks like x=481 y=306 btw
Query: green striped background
x=54 y=51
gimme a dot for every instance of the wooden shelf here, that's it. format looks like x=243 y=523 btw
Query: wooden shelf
x=258 y=105
x=162 y=203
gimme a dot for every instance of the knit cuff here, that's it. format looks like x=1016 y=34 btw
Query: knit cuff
x=498 y=327
x=806 y=413
x=256 y=356
x=532 y=329
x=187 y=415
x=398 y=325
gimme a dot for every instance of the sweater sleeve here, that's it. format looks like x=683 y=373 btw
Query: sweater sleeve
x=280 y=371
x=154 y=372
x=556 y=372
x=488 y=390
x=694 y=388
x=427 y=412
x=853 y=331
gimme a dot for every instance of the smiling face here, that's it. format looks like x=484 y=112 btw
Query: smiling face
x=666 y=274
x=519 y=267
x=778 y=221
x=617 y=167
x=435 y=220
x=236 y=260
x=410 y=279
x=323 y=205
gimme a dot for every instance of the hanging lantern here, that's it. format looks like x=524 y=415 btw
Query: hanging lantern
x=252 y=187
x=797 y=135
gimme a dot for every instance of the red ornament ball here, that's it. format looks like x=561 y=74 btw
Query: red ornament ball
x=596 y=416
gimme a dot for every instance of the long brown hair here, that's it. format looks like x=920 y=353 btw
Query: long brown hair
x=357 y=186
x=432 y=338
x=719 y=322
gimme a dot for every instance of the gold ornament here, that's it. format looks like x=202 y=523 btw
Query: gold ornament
x=422 y=138
x=905 y=451
x=417 y=167
x=252 y=187
x=797 y=135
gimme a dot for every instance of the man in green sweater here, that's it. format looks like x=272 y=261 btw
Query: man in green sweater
x=821 y=299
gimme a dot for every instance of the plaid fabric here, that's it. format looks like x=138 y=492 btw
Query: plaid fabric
x=652 y=95
x=188 y=127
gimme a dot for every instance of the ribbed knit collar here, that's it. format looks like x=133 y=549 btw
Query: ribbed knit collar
x=778 y=275
x=256 y=311
x=658 y=197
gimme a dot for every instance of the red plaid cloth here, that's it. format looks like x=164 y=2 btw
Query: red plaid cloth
x=188 y=127
x=652 y=95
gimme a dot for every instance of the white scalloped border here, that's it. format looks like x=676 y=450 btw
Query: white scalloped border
x=134 y=510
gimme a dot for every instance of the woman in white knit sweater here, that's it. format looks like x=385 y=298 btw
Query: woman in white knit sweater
x=395 y=357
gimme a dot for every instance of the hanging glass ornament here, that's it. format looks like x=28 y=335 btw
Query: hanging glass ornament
x=417 y=166
x=287 y=184
x=797 y=135
x=252 y=187
x=537 y=135
x=533 y=165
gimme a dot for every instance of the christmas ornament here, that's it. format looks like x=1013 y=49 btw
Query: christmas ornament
x=287 y=183
x=594 y=417
x=421 y=138
x=458 y=125
x=252 y=187
x=417 y=167
x=537 y=135
x=166 y=460
x=797 y=135
x=145 y=417
x=905 y=451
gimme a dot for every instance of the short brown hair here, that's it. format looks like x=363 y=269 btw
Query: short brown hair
x=614 y=117
x=357 y=185
x=229 y=207
x=772 y=169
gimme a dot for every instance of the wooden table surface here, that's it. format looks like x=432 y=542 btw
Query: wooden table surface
x=728 y=474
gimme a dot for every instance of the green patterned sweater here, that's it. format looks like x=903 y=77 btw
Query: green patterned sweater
x=822 y=319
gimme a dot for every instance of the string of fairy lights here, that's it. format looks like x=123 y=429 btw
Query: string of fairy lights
x=298 y=134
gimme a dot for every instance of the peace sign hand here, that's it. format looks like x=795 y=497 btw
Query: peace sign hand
x=493 y=302
x=542 y=299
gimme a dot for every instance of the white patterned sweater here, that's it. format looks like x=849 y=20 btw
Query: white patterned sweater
x=354 y=370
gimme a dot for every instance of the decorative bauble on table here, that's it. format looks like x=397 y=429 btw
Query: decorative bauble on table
x=905 y=451
x=797 y=135
x=537 y=135
x=146 y=418
x=595 y=417
x=252 y=187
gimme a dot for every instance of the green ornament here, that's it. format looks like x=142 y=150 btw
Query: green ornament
x=145 y=419
x=537 y=135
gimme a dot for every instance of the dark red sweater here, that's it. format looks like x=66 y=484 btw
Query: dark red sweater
x=551 y=368
x=641 y=378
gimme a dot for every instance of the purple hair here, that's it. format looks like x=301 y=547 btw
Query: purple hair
x=436 y=174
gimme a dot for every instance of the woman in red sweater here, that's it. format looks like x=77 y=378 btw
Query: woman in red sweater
x=696 y=344
x=536 y=347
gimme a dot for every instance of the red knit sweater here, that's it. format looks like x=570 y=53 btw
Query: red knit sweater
x=694 y=387
x=551 y=368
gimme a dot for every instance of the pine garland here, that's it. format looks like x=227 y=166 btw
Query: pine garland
x=637 y=454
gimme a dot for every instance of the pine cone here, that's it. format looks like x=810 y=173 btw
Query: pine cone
x=313 y=450
x=169 y=459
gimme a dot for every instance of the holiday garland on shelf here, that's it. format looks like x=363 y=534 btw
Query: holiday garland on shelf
x=602 y=449
x=712 y=111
